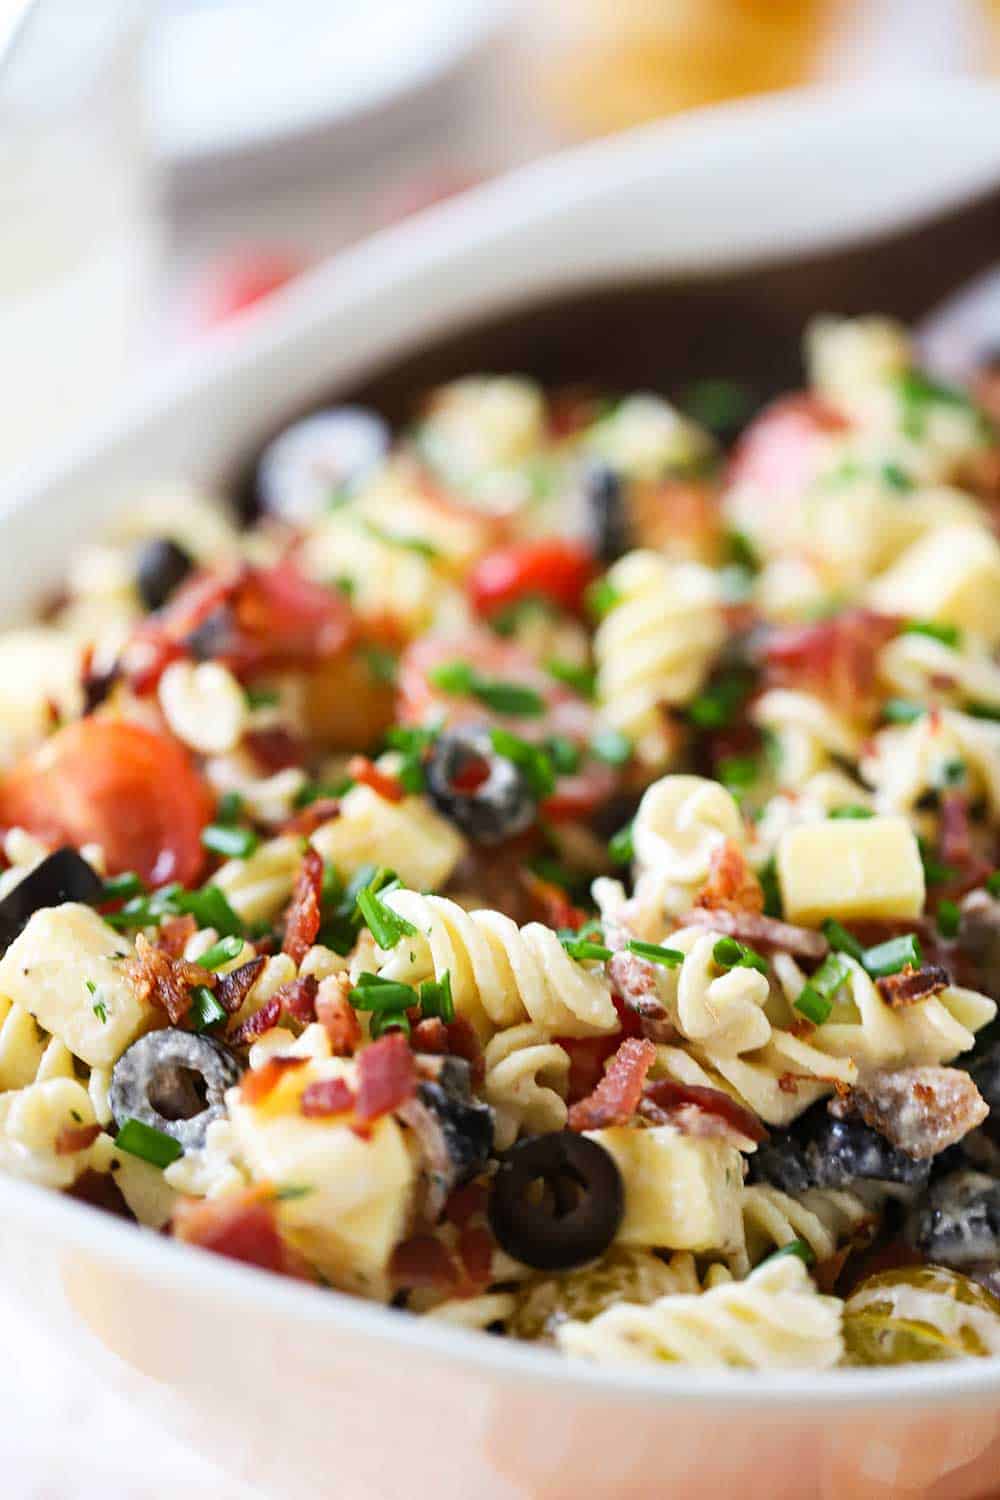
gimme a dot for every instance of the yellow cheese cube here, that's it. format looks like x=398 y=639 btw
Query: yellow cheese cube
x=681 y=1192
x=348 y=1197
x=66 y=962
x=951 y=574
x=853 y=868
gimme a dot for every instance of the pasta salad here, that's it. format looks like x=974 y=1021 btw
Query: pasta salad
x=539 y=869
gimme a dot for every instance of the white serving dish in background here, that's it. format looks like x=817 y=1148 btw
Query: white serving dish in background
x=308 y=1393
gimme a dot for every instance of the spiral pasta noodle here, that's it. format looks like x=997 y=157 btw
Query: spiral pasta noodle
x=824 y=1218
x=807 y=733
x=721 y=1010
x=922 y=669
x=681 y=822
x=906 y=763
x=527 y=1076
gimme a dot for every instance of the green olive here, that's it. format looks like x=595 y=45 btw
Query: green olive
x=920 y=1313
x=619 y=1276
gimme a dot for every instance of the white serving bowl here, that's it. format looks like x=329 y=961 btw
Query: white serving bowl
x=310 y=1393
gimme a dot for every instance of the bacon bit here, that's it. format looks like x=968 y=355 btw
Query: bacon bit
x=431 y=1036
x=731 y=885
x=766 y=932
x=788 y=1083
x=303 y=917
x=475 y=1249
x=912 y=985
x=465 y=1203
x=588 y=1056
x=100 y=1190
x=634 y=981
x=274 y=749
x=175 y=933
x=554 y=907
x=423 y=1261
x=95 y=686
x=337 y=1016
x=463 y=1042
x=263 y=1019
x=165 y=982
x=242 y=1225
x=306 y=822
x=234 y=987
x=667 y=1097
x=73 y=1138
x=361 y=768
x=835 y=659
x=386 y=1077
x=920 y=1110
x=956 y=848
x=615 y=1098
x=256 y=1084
x=298 y=999
x=326 y=1096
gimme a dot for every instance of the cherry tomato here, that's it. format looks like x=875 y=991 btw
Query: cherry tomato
x=780 y=450
x=555 y=570
x=109 y=782
x=242 y=281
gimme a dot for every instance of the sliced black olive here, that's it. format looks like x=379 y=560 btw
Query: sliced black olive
x=466 y=1126
x=308 y=465
x=483 y=794
x=161 y=567
x=820 y=1151
x=978 y=941
x=605 y=513
x=63 y=876
x=175 y=1081
x=957 y=1221
x=557 y=1201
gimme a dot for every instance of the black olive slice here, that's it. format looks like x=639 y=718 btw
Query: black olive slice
x=489 y=808
x=162 y=567
x=605 y=512
x=63 y=876
x=174 y=1081
x=557 y=1201
x=821 y=1151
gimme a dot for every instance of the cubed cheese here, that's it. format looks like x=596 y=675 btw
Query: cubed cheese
x=850 y=868
x=951 y=574
x=352 y=1194
x=409 y=836
x=682 y=1192
x=66 y=970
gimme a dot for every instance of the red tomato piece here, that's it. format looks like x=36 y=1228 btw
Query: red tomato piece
x=780 y=450
x=555 y=570
x=123 y=786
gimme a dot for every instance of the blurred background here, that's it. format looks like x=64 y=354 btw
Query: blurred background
x=164 y=166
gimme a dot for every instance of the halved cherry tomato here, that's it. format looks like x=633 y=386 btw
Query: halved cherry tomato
x=123 y=786
x=555 y=570
x=780 y=450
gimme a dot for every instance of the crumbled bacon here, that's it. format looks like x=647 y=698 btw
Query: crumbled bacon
x=587 y=1058
x=274 y=748
x=912 y=985
x=326 y=1096
x=465 y=1203
x=242 y=1225
x=298 y=999
x=362 y=769
x=386 y=1077
x=634 y=980
x=836 y=659
x=234 y=987
x=731 y=885
x=673 y=1101
x=157 y=979
x=174 y=934
x=304 y=915
x=920 y=1110
x=73 y=1138
x=423 y=1261
x=764 y=932
x=308 y=819
x=457 y=1039
x=256 y=1084
x=616 y=1096
x=475 y=1249
x=956 y=847
x=554 y=907
x=100 y=1190
x=337 y=1016
x=264 y=1018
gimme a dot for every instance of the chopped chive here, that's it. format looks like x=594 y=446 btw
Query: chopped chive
x=620 y=846
x=531 y=759
x=148 y=1143
x=948 y=635
x=583 y=949
x=316 y=791
x=794 y=1247
x=950 y=773
x=259 y=697
x=611 y=746
x=513 y=698
x=768 y=877
x=949 y=918
x=372 y=992
x=210 y=908
x=814 y=1006
x=436 y=998
x=411 y=776
x=889 y=958
x=386 y=926
x=896 y=477
x=983 y=710
x=738 y=772
x=291 y=1191
x=900 y=711
x=417 y=544
x=993 y=883
x=670 y=958
x=842 y=941
x=205 y=1009
x=721 y=405
x=601 y=598
x=718 y=705
x=222 y=952
x=122 y=887
x=580 y=679
x=345 y=585
x=382 y=664
x=388 y=1020
x=730 y=954
x=233 y=843
x=564 y=755
x=230 y=808
x=851 y=810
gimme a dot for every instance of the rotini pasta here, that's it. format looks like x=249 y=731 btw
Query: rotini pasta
x=682 y=821
x=527 y=1076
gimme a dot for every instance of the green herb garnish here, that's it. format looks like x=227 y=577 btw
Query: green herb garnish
x=893 y=956
x=463 y=679
x=205 y=1009
x=842 y=941
x=730 y=954
x=232 y=843
x=222 y=952
x=532 y=760
x=609 y=745
x=147 y=1143
x=620 y=846
x=580 y=679
x=948 y=635
x=670 y=958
